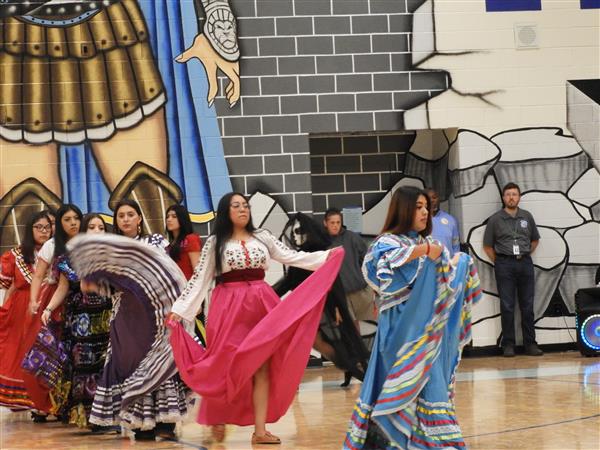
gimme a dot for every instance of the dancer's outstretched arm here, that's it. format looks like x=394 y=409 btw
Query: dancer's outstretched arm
x=189 y=302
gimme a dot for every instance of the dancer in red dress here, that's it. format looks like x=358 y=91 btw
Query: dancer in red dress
x=184 y=245
x=16 y=272
x=184 y=248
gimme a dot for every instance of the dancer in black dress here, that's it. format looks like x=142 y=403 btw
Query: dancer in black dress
x=338 y=338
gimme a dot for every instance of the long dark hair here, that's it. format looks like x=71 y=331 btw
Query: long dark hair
x=401 y=212
x=60 y=236
x=223 y=227
x=138 y=210
x=185 y=228
x=88 y=218
x=28 y=243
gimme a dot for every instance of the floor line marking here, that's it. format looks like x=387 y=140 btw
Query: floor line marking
x=534 y=426
x=189 y=444
x=562 y=381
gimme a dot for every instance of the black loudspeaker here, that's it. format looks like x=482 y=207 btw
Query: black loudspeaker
x=587 y=305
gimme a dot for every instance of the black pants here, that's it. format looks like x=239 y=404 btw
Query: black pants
x=515 y=277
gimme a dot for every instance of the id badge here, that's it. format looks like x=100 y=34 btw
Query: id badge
x=516 y=251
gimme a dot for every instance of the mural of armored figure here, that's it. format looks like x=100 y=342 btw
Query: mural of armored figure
x=96 y=105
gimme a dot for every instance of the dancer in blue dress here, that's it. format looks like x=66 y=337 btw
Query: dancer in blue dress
x=406 y=400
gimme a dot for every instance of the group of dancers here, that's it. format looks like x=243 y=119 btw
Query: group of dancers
x=98 y=328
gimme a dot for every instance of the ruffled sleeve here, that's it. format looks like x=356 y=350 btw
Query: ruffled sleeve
x=64 y=267
x=155 y=240
x=46 y=253
x=285 y=255
x=191 y=299
x=7 y=269
x=192 y=243
x=385 y=267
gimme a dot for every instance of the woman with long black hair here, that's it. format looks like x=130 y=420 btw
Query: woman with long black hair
x=184 y=245
x=184 y=248
x=253 y=337
x=406 y=400
x=139 y=388
x=86 y=324
x=128 y=221
x=48 y=364
x=16 y=272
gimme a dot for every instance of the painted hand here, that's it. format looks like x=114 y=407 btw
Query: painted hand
x=212 y=61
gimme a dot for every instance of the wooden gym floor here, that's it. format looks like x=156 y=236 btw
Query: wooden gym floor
x=552 y=402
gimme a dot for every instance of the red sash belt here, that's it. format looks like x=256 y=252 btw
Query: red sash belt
x=241 y=275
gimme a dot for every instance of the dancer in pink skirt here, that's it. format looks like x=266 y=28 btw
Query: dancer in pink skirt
x=253 y=337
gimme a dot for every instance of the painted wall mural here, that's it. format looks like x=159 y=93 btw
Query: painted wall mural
x=101 y=100
x=306 y=104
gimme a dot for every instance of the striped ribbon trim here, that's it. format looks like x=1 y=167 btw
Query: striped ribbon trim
x=25 y=269
x=426 y=425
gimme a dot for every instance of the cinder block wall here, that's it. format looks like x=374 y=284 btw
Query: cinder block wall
x=316 y=66
x=353 y=170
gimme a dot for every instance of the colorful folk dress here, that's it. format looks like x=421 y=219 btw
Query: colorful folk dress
x=85 y=336
x=406 y=400
x=249 y=325
x=139 y=386
x=15 y=276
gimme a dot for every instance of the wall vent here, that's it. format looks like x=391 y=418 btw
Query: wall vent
x=526 y=36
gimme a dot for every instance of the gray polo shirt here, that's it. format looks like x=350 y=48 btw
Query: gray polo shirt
x=503 y=231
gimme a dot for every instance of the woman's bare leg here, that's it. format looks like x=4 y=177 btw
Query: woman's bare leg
x=324 y=347
x=260 y=399
x=19 y=161
x=146 y=142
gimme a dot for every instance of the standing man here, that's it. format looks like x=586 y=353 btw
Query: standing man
x=361 y=298
x=510 y=238
x=445 y=226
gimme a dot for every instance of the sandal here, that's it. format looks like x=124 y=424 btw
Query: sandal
x=268 y=438
x=218 y=432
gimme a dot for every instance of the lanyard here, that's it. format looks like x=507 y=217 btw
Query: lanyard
x=515 y=234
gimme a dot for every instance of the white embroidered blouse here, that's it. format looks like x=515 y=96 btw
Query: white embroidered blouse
x=238 y=255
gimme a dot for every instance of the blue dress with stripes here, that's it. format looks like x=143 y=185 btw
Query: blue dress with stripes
x=406 y=400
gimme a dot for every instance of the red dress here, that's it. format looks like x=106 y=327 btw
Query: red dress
x=18 y=329
x=190 y=244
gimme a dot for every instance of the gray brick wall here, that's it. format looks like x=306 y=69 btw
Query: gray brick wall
x=351 y=170
x=319 y=66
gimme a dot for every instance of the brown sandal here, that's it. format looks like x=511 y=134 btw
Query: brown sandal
x=218 y=432
x=268 y=438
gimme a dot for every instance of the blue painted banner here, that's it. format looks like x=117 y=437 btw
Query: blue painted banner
x=515 y=5
x=590 y=4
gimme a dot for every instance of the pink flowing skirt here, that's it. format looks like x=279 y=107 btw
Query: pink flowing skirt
x=248 y=325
